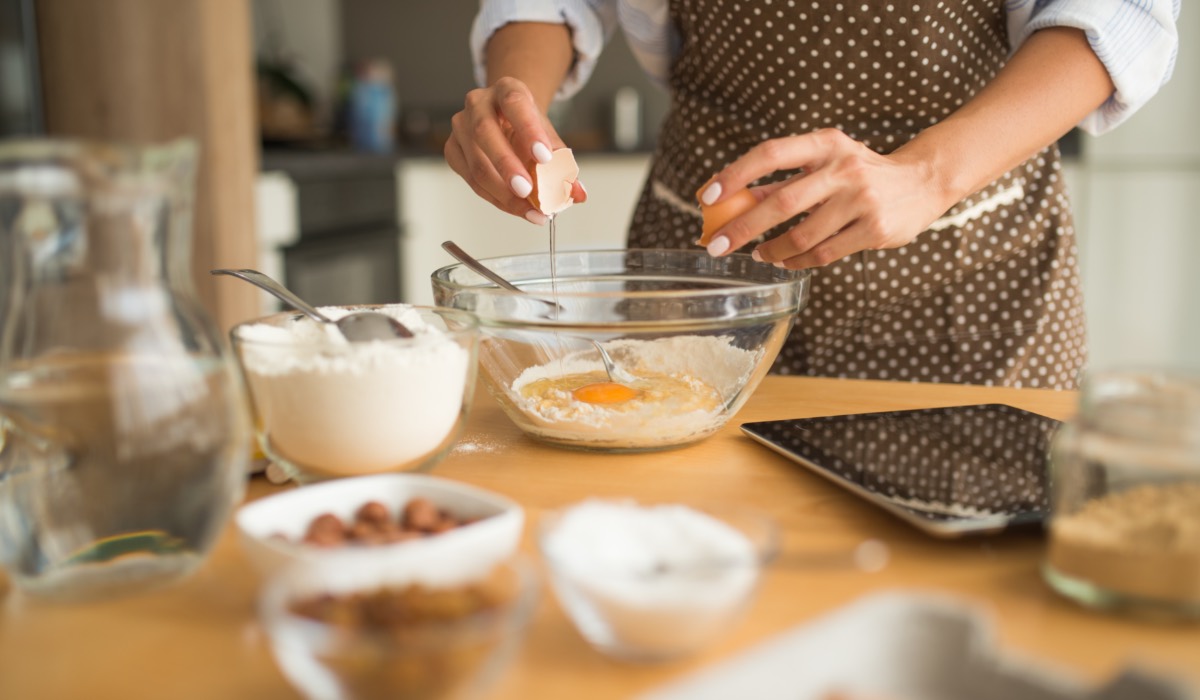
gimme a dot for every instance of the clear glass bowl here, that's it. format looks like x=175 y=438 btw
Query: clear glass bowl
x=1124 y=531
x=649 y=582
x=698 y=333
x=361 y=630
x=327 y=408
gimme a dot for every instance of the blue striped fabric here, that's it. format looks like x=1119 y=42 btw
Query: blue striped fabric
x=1135 y=39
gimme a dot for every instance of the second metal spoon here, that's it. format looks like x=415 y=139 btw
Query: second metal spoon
x=358 y=327
x=614 y=372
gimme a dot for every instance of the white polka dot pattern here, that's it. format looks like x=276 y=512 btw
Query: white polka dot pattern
x=995 y=300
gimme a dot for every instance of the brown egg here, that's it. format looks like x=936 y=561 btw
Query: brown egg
x=722 y=212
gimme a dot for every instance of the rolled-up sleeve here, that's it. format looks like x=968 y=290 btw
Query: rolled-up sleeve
x=591 y=23
x=1136 y=40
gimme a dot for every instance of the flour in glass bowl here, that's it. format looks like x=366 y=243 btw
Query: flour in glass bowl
x=340 y=408
x=685 y=386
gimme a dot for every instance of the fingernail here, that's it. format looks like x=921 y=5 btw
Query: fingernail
x=757 y=256
x=717 y=246
x=780 y=265
x=711 y=193
x=541 y=152
x=534 y=216
x=580 y=182
x=521 y=186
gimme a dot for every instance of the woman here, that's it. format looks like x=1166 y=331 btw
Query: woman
x=905 y=148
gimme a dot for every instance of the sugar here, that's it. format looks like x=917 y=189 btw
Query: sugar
x=653 y=580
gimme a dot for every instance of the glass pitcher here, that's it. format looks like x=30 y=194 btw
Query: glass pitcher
x=123 y=432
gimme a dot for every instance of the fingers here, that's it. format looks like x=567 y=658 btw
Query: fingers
x=808 y=151
x=529 y=138
x=823 y=223
x=489 y=137
x=777 y=204
x=848 y=241
x=507 y=201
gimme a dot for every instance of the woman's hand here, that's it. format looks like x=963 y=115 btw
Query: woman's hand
x=854 y=199
x=494 y=142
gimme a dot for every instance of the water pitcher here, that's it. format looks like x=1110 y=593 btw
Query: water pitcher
x=123 y=435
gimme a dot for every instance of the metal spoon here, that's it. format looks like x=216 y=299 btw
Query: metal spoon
x=357 y=327
x=614 y=372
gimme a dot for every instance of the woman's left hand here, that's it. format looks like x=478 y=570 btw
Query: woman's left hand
x=855 y=199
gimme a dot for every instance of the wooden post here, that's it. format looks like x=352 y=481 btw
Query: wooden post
x=147 y=71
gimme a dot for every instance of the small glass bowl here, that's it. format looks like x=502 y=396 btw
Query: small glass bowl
x=697 y=333
x=363 y=632
x=654 y=582
x=1124 y=531
x=325 y=407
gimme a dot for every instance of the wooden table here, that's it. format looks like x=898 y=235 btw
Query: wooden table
x=200 y=638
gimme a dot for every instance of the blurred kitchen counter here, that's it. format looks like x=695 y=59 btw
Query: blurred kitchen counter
x=200 y=639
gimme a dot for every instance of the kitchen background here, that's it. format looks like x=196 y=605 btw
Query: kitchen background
x=343 y=226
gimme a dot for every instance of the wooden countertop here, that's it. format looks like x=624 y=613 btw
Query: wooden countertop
x=200 y=639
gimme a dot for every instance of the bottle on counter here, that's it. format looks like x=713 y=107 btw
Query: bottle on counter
x=373 y=108
x=627 y=119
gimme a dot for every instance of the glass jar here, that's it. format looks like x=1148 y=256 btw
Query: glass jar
x=123 y=431
x=1125 y=480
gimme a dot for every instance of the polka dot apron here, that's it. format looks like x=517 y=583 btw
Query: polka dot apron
x=989 y=294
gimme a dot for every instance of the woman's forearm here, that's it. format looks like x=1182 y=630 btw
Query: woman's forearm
x=1049 y=85
x=537 y=54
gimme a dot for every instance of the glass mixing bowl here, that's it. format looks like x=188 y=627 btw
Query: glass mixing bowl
x=696 y=333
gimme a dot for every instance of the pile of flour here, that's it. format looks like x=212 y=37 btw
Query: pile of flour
x=712 y=365
x=327 y=405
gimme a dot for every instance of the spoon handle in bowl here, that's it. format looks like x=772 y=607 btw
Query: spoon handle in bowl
x=281 y=292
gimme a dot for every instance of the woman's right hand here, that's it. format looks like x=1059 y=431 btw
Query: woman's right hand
x=495 y=141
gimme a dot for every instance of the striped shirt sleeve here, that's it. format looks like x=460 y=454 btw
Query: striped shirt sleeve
x=1136 y=40
x=591 y=23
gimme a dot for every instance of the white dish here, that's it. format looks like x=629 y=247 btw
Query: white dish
x=270 y=529
x=899 y=646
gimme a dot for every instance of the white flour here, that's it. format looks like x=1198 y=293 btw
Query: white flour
x=715 y=369
x=651 y=580
x=340 y=408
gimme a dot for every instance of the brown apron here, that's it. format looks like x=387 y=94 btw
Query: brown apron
x=988 y=295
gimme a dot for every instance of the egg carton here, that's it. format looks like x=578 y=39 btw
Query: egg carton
x=901 y=646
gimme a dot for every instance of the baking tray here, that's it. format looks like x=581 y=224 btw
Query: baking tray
x=902 y=646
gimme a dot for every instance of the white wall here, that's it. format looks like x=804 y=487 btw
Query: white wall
x=1136 y=192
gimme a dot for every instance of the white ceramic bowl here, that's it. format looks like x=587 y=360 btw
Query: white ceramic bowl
x=271 y=528
x=654 y=581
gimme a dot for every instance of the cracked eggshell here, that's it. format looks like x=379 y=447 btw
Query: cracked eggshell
x=553 y=182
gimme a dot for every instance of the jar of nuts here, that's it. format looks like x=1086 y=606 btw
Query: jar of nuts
x=1125 y=482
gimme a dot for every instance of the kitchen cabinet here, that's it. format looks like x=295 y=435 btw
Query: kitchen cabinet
x=335 y=238
x=436 y=205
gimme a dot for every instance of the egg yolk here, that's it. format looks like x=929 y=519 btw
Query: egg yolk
x=605 y=392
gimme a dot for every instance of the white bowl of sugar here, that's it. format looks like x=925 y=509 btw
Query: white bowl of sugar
x=326 y=408
x=654 y=581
